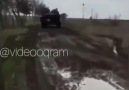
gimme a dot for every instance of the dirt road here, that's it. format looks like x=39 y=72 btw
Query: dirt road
x=90 y=57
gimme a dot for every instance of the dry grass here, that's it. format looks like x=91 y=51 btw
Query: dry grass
x=9 y=32
x=87 y=27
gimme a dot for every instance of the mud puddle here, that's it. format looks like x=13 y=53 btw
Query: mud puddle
x=94 y=84
x=87 y=68
x=93 y=80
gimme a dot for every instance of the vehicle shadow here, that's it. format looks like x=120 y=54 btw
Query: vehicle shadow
x=54 y=31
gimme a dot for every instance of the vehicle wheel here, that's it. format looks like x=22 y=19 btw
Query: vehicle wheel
x=44 y=25
x=59 y=24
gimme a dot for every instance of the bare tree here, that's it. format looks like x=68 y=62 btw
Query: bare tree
x=2 y=5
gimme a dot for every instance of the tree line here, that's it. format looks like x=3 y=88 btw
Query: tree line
x=16 y=12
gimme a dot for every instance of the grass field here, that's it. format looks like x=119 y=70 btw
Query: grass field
x=11 y=63
x=87 y=27
x=9 y=32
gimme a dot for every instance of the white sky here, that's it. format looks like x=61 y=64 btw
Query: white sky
x=104 y=8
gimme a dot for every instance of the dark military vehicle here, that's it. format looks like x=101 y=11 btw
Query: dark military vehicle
x=52 y=18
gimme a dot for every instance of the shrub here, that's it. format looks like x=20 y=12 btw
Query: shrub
x=114 y=21
x=63 y=16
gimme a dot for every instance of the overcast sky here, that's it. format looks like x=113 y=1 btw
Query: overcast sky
x=104 y=8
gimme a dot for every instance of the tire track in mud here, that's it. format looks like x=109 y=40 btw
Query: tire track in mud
x=59 y=31
x=85 y=53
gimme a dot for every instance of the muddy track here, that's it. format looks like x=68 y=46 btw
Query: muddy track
x=86 y=54
x=52 y=31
